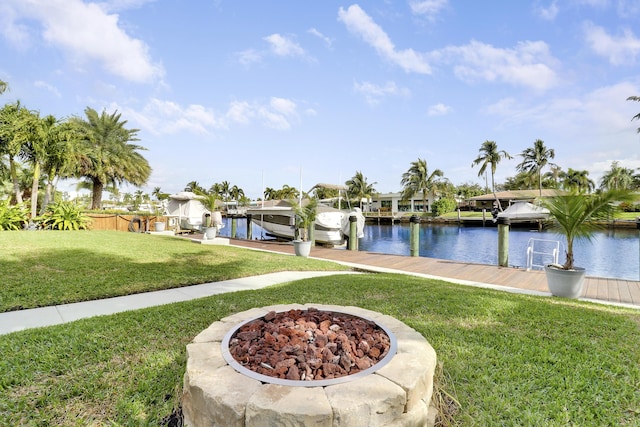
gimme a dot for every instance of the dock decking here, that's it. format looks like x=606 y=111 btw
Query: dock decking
x=616 y=291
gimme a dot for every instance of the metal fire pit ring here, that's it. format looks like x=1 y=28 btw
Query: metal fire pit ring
x=393 y=347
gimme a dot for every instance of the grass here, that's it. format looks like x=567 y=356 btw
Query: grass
x=509 y=360
x=51 y=267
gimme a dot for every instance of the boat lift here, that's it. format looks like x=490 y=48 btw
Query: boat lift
x=542 y=251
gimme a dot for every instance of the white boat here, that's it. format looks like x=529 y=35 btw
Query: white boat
x=332 y=226
x=187 y=212
x=524 y=211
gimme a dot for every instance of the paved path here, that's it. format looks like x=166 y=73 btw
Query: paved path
x=46 y=316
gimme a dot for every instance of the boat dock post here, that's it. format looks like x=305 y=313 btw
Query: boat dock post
x=503 y=241
x=249 y=228
x=415 y=235
x=353 y=233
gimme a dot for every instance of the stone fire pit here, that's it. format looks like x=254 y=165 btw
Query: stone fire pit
x=396 y=391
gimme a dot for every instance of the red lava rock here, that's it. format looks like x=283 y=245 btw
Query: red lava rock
x=309 y=344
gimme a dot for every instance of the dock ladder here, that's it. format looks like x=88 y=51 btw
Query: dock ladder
x=541 y=252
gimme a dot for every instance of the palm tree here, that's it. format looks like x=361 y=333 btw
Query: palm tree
x=490 y=156
x=551 y=179
x=637 y=116
x=60 y=159
x=236 y=193
x=157 y=193
x=287 y=192
x=575 y=180
x=109 y=157
x=535 y=159
x=3 y=86
x=225 y=189
x=358 y=188
x=418 y=179
x=42 y=134
x=618 y=178
x=11 y=116
x=194 y=187
x=215 y=189
x=270 y=193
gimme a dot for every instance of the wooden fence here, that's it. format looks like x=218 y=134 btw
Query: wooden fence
x=118 y=222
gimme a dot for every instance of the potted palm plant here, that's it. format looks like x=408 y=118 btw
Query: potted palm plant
x=159 y=224
x=577 y=215
x=211 y=218
x=305 y=218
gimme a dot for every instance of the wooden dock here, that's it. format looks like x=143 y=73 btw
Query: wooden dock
x=615 y=291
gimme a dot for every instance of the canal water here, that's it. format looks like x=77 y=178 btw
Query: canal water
x=612 y=253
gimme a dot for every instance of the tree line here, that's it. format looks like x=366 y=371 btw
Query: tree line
x=38 y=151
x=98 y=149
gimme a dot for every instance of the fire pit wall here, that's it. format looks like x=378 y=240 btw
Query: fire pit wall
x=398 y=394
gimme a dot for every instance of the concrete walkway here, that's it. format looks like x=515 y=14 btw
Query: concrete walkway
x=54 y=315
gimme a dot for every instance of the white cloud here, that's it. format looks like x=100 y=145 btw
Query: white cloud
x=529 y=64
x=278 y=114
x=429 y=8
x=283 y=46
x=374 y=93
x=361 y=24
x=167 y=117
x=618 y=50
x=48 y=87
x=115 y=5
x=548 y=13
x=628 y=8
x=439 y=110
x=16 y=33
x=603 y=111
x=249 y=56
x=87 y=33
x=321 y=36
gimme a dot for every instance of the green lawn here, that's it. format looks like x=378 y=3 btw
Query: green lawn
x=51 y=267
x=510 y=360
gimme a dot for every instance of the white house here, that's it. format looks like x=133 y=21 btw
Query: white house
x=393 y=203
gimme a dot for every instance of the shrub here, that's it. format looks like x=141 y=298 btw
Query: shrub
x=12 y=217
x=442 y=206
x=64 y=216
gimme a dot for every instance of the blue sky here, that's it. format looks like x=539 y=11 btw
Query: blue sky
x=263 y=94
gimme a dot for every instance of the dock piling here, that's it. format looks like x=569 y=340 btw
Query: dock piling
x=415 y=235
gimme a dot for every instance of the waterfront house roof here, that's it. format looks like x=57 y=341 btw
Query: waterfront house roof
x=517 y=195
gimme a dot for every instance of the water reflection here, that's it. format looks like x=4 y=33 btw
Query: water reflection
x=613 y=253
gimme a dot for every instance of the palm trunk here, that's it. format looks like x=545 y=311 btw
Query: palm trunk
x=96 y=199
x=493 y=188
x=34 y=190
x=14 y=178
x=48 y=191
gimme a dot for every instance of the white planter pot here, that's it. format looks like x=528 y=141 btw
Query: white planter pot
x=302 y=248
x=565 y=283
x=158 y=226
x=210 y=233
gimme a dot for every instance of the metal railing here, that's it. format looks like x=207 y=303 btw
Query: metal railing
x=541 y=252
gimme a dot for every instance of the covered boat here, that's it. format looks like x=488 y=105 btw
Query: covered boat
x=277 y=218
x=524 y=212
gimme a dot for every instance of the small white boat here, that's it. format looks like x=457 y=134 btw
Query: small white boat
x=524 y=211
x=332 y=226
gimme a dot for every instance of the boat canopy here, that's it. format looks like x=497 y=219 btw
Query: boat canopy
x=524 y=211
